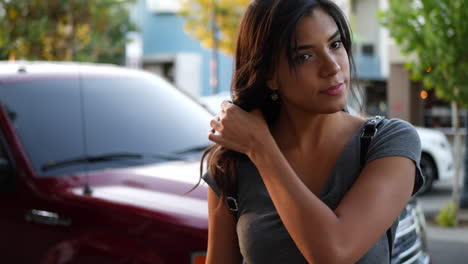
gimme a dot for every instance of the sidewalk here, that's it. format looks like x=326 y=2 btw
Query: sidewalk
x=431 y=204
x=456 y=234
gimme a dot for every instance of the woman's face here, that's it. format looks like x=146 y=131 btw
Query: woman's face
x=321 y=79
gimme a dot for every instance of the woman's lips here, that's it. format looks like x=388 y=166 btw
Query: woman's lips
x=335 y=90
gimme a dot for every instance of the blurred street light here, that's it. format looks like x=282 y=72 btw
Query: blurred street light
x=423 y=94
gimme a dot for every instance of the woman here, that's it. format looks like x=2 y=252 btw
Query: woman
x=290 y=153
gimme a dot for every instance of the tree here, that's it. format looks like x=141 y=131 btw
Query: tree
x=78 y=30
x=199 y=14
x=435 y=32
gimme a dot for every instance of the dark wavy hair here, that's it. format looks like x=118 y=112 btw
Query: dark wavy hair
x=268 y=28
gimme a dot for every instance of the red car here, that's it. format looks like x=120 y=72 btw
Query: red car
x=95 y=165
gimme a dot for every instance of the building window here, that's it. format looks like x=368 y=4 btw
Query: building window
x=367 y=49
x=163 y=6
x=376 y=98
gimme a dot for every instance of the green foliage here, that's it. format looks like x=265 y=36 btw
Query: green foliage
x=79 y=30
x=447 y=215
x=435 y=31
x=198 y=16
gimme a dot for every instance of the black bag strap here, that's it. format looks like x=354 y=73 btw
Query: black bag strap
x=370 y=130
x=371 y=127
x=231 y=200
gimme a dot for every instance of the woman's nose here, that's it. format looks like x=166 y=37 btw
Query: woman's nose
x=330 y=66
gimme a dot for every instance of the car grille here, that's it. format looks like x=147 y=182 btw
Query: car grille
x=408 y=245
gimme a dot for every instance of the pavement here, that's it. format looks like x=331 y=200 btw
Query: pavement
x=431 y=204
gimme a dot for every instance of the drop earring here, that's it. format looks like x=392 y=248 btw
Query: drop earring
x=274 y=96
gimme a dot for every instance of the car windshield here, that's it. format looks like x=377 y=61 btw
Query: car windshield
x=64 y=119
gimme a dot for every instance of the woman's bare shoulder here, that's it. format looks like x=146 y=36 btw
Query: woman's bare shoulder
x=354 y=121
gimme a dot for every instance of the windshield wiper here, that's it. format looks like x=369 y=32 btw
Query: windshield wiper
x=103 y=158
x=193 y=149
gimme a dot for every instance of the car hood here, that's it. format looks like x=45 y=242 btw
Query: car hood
x=429 y=132
x=163 y=188
x=433 y=140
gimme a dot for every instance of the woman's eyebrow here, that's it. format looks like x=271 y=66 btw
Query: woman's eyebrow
x=334 y=35
x=307 y=46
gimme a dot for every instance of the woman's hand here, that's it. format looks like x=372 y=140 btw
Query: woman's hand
x=237 y=129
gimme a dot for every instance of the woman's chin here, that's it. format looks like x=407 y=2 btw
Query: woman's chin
x=337 y=107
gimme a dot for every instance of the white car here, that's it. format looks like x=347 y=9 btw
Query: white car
x=436 y=157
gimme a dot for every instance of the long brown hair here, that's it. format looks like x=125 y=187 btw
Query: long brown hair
x=267 y=28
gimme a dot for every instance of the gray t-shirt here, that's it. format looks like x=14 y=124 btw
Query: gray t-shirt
x=262 y=235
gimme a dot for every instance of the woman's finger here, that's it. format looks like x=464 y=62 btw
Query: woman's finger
x=225 y=105
x=215 y=123
x=215 y=138
x=218 y=139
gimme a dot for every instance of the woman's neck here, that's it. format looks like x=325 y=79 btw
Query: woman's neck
x=301 y=130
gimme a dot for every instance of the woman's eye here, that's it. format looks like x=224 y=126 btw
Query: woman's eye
x=303 y=57
x=336 y=44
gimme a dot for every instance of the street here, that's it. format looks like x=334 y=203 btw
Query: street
x=444 y=252
x=446 y=245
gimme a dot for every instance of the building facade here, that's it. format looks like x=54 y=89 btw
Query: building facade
x=387 y=85
x=162 y=47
